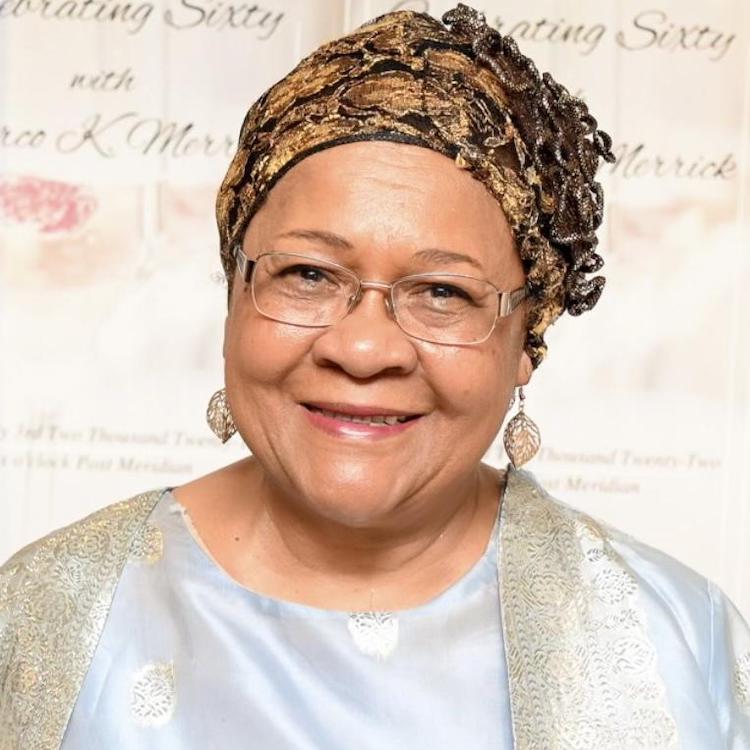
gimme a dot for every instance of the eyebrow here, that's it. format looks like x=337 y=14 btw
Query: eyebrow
x=336 y=241
x=318 y=235
x=437 y=255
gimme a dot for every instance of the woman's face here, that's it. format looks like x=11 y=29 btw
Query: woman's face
x=372 y=207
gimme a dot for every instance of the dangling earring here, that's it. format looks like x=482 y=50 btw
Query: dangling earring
x=219 y=416
x=521 y=437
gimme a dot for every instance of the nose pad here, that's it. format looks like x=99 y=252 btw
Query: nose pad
x=356 y=298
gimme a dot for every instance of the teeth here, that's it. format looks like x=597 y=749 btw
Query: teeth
x=375 y=419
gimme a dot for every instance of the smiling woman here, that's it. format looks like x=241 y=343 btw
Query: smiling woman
x=407 y=212
x=389 y=203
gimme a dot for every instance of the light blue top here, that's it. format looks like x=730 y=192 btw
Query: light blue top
x=191 y=659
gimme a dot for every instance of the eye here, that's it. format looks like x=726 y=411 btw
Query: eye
x=442 y=294
x=448 y=291
x=310 y=274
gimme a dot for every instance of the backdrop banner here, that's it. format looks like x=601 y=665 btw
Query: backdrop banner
x=117 y=122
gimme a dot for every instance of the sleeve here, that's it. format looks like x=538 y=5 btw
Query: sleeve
x=729 y=675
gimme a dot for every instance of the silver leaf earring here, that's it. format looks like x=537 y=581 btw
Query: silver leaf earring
x=521 y=437
x=219 y=416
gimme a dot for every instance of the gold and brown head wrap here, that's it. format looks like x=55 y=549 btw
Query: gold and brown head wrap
x=461 y=89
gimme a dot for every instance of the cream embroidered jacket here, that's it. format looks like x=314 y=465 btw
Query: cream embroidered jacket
x=609 y=644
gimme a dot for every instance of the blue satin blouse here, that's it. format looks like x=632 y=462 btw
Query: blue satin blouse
x=189 y=658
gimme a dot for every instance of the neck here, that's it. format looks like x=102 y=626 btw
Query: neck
x=400 y=560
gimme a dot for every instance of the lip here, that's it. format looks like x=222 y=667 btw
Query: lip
x=342 y=428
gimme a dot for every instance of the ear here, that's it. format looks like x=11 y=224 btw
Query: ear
x=525 y=369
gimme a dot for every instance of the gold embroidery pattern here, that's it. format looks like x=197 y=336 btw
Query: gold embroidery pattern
x=148 y=546
x=153 y=697
x=54 y=599
x=374 y=633
x=742 y=681
x=575 y=637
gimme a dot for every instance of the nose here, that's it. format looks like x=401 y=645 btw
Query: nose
x=368 y=341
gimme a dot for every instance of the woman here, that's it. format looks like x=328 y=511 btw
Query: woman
x=407 y=212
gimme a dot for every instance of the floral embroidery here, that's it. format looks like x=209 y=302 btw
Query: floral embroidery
x=742 y=680
x=374 y=633
x=613 y=585
x=148 y=546
x=153 y=698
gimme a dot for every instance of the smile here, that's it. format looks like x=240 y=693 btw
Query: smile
x=358 y=421
x=373 y=419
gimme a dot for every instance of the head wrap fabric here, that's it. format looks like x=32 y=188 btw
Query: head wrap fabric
x=467 y=92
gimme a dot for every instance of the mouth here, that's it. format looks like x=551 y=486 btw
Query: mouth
x=373 y=416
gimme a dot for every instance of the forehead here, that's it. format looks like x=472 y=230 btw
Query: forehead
x=387 y=200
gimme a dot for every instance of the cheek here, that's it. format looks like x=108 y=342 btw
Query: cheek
x=472 y=382
x=260 y=351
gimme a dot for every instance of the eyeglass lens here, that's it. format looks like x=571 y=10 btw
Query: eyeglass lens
x=445 y=308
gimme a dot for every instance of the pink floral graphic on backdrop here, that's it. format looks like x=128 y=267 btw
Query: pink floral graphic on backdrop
x=53 y=207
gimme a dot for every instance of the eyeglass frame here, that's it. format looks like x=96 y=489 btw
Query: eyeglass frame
x=507 y=301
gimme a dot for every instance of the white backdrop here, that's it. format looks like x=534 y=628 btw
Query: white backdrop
x=117 y=121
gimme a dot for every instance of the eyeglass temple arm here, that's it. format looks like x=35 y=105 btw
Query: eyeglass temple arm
x=244 y=264
x=509 y=301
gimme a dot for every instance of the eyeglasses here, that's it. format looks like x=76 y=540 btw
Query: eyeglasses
x=442 y=308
